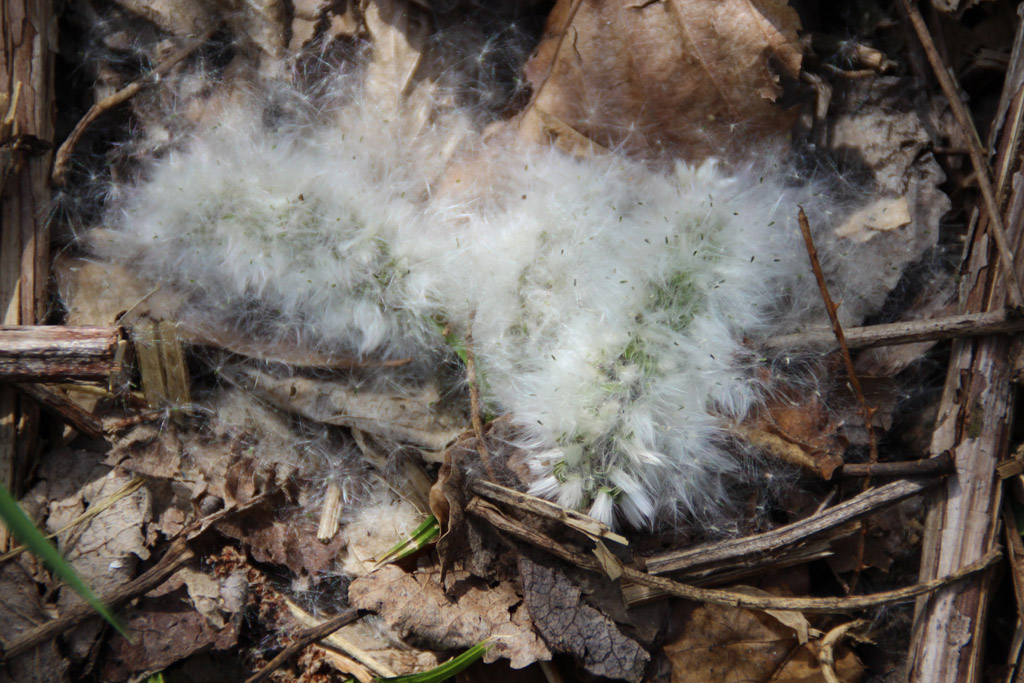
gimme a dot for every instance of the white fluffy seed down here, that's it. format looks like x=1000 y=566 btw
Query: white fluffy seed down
x=615 y=309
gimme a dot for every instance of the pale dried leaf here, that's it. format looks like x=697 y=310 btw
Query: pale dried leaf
x=690 y=77
x=410 y=417
x=882 y=215
x=416 y=603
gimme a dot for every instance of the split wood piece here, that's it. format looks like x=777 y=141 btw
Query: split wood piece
x=304 y=638
x=53 y=353
x=577 y=520
x=63 y=157
x=66 y=409
x=177 y=555
x=973 y=423
x=330 y=513
x=28 y=52
x=773 y=543
x=894 y=334
x=499 y=521
x=939 y=465
x=161 y=358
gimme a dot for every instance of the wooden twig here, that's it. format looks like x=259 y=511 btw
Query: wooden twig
x=51 y=353
x=577 y=520
x=499 y=521
x=826 y=651
x=894 y=334
x=978 y=157
x=63 y=157
x=66 y=409
x=747 y=549
x=867 y=411
x=939 y=465
x=304 y=638
x=177 y=555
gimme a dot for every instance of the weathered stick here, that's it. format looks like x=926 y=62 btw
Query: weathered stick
x=894 y=334
x=725 y=554
x=65 y=408
x=712 y=596
x=304 y=638
x=56 y=353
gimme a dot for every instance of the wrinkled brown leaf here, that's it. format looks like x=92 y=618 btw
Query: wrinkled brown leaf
x=571 y=626
x=733 y=645
x=687 y=77
x=417 y=604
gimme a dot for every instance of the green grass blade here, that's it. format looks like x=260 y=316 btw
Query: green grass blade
x=444 y=671
x=26 y=532
x=425 y=533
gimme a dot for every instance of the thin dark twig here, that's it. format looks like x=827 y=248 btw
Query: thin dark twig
x=867 y=411
x=304 y=638
x=977 y=154
x=63 y=156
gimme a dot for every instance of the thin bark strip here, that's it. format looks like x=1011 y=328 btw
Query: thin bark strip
x=56 y=354
x=909 y=332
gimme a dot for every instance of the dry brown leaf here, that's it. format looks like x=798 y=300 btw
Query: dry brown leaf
x=20 y=610
x=571 y=626
x=104 y=550
x=165 y=629
x=730 y=645
x=417 y=604
x=799 y=430
x=687 y=77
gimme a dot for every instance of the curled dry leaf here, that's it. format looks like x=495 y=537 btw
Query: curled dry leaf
x=417 y=604
x=678 y=76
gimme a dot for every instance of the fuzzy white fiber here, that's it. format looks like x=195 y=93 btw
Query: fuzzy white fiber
x=616 y=310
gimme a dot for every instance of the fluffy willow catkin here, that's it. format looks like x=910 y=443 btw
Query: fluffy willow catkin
x=616 y=308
